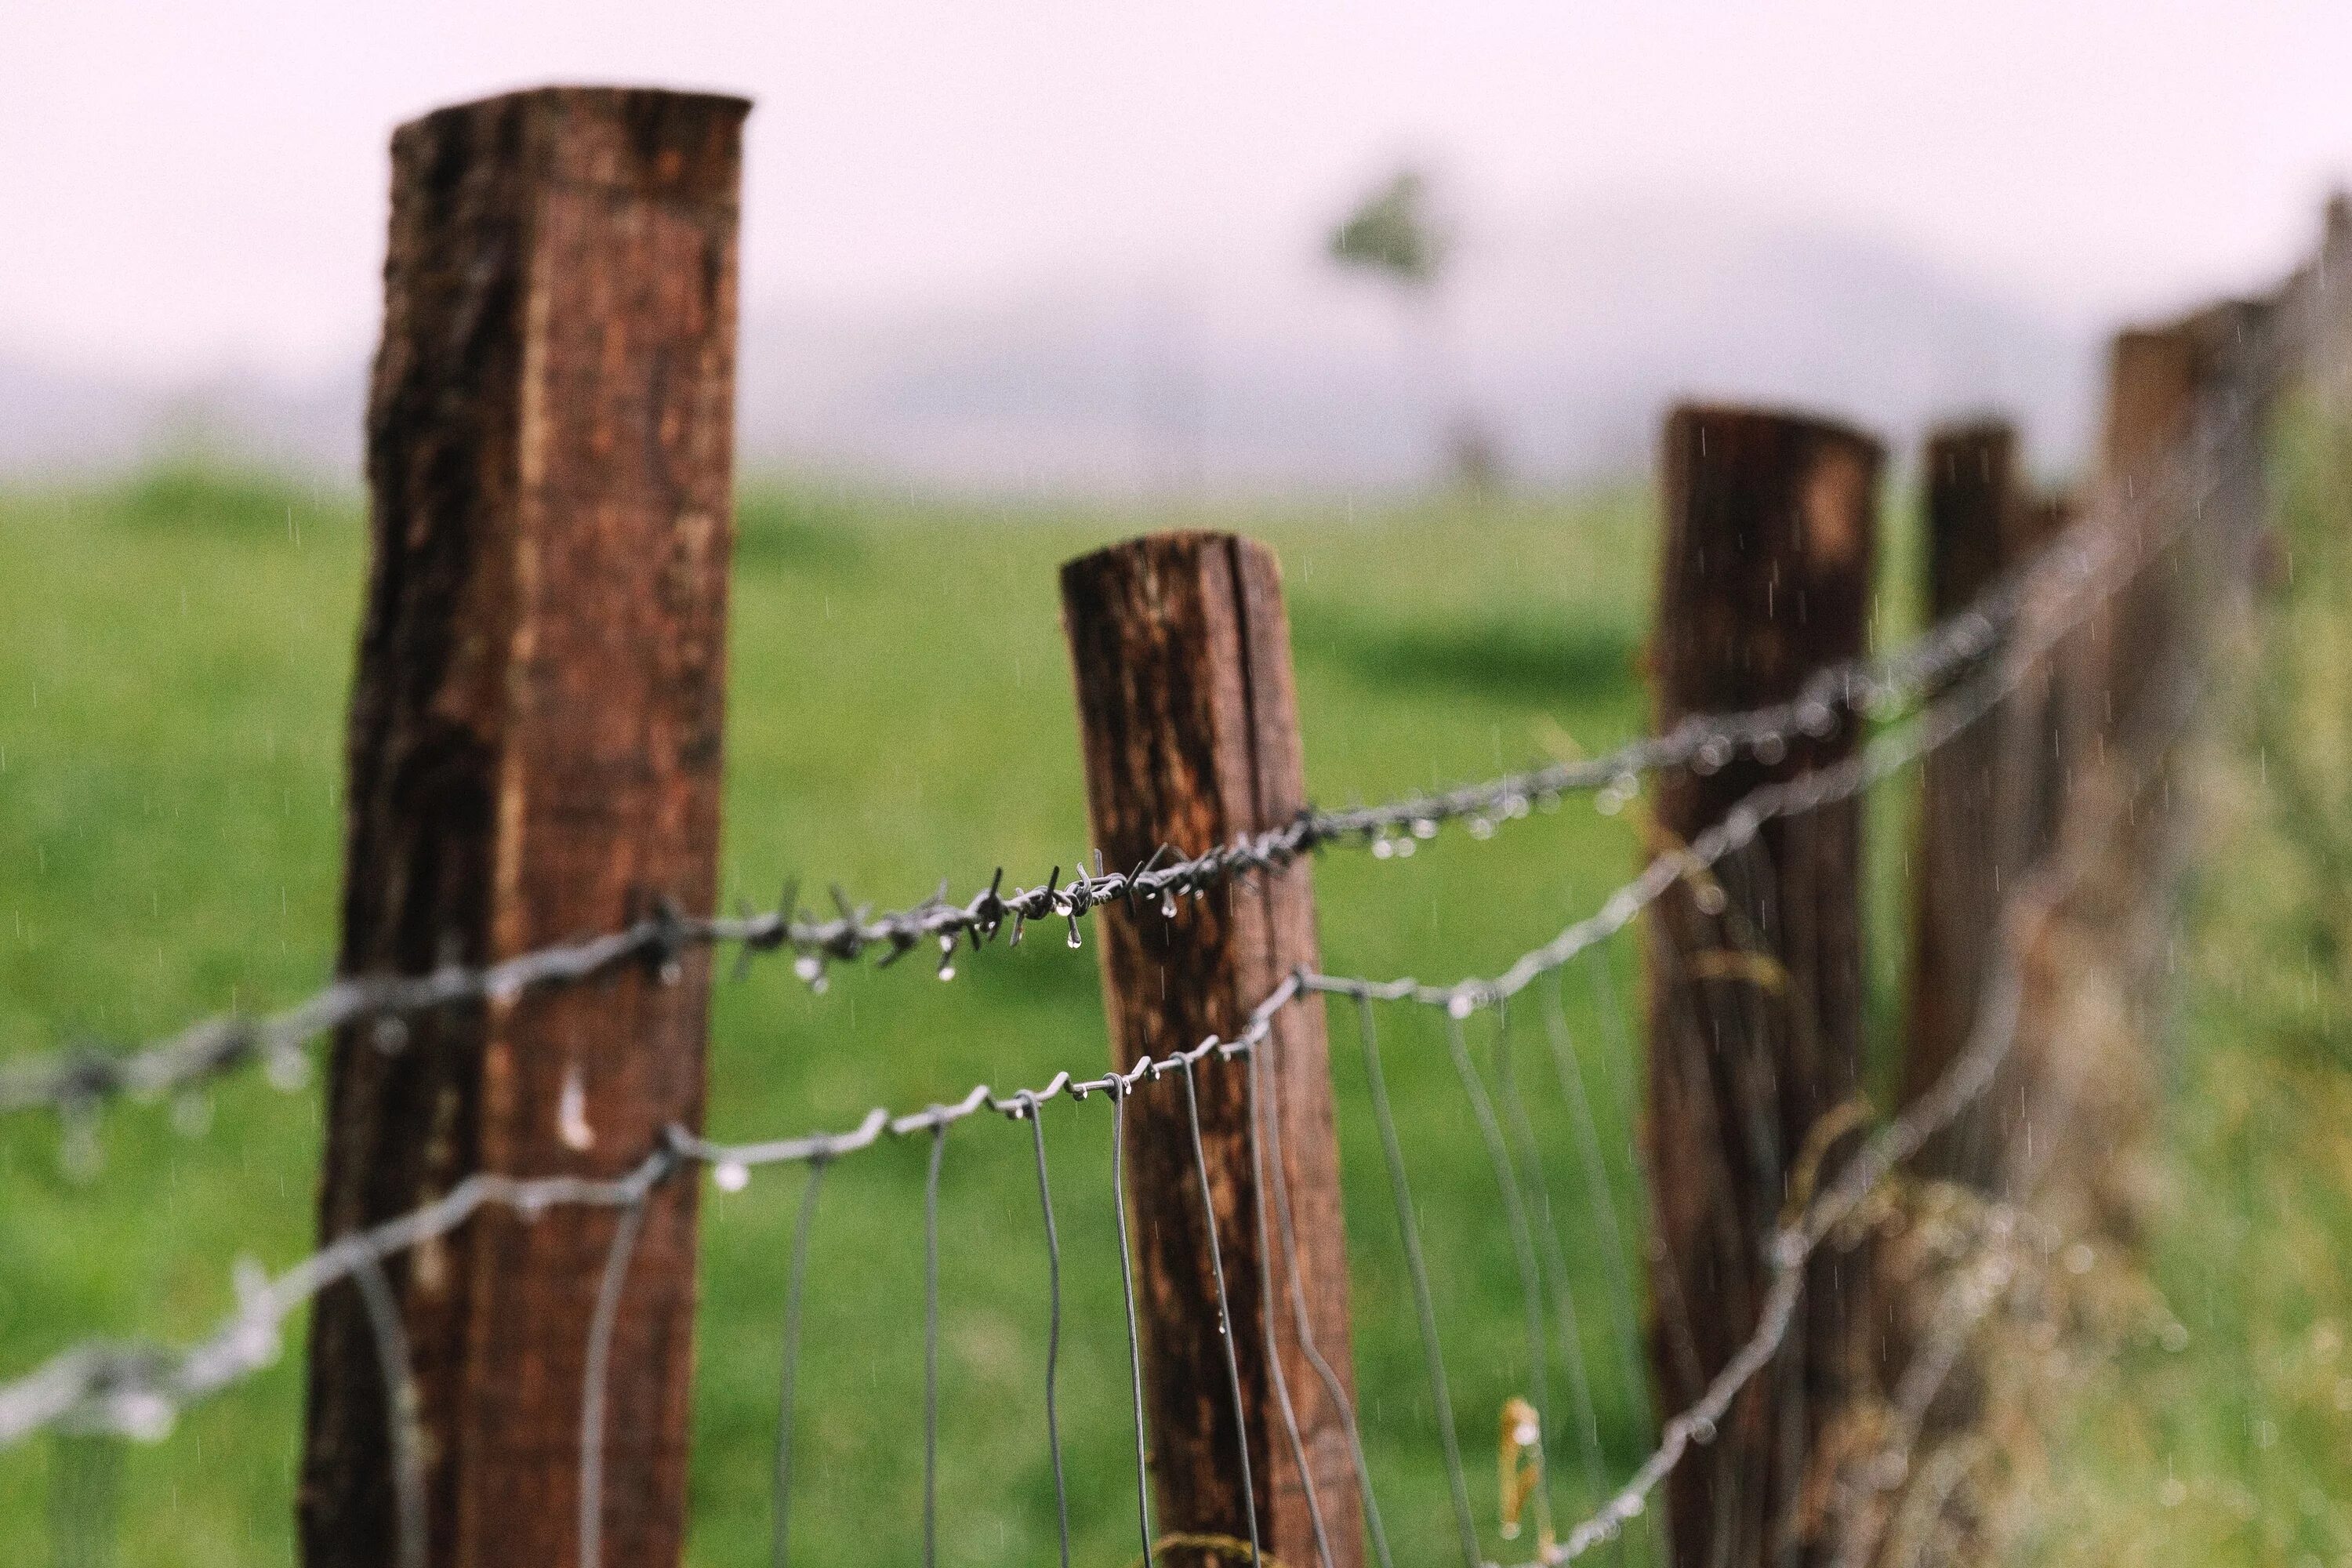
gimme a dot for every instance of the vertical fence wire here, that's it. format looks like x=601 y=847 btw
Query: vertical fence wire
x=931 y=1346
x=1267 y=1273
x=1224 y=1314
x=1303 y=1323
x=1424 y=1311
x=400 y=1413
x=1523 y=1249
x=778 y=1545
x=596 y=1378
x=1600 y=1194
x=1554 y=1256
x=1053 y=1332
x=1119 y=1093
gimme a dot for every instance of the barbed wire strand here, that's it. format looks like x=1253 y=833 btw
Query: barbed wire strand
x=1523 y=1252
x=1225 y=1316
x=1417 y=1273
x=145 y=1389
x=1970 y=1301
x=779 y=1539
x=72 y=1081
x=1792 y=1245
x=1053 y=1332
x=1302 y=1323
x=138 y=1390
x=1253 y=1067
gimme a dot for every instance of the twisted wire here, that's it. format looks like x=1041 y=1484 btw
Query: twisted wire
x=136 y=1389
x=72 y=1081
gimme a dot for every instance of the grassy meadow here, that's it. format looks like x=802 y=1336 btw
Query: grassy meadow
x=172 y=676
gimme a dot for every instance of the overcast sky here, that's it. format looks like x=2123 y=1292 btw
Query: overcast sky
x=188 y=187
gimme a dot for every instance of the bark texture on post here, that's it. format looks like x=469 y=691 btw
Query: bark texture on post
x=534 y=755
x=1186 y=710
x=1755 y=1005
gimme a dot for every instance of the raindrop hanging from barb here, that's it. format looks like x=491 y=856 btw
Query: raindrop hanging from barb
x=946 y=957
x=572 y=1111
x=288 y=1068
x=731 y=1175
x=1075 y=940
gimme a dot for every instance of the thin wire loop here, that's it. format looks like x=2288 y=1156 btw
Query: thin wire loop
x=1523 y=1248
x=1119 y=1093
x=1425 y=1309
x=400 y=1413
x=1053 y=1332
x=1555 y=1253
x=1225 y=1316
x=781 y=1509
x=1254 y=1064
x=1600 y=1196
x=1333 y=1388
x=601 y=1325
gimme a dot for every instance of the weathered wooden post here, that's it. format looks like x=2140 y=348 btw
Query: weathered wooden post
x=534 y=756
x=1766 y=570
x=1190 y=724
x=1981 y=805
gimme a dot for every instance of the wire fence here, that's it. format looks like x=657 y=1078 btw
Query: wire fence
x=1912 y=704
x=137 y=1392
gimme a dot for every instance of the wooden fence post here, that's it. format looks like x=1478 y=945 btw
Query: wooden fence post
x=1983 y=794
x=1755 y=995
x=534 y=755
x=1190 y=724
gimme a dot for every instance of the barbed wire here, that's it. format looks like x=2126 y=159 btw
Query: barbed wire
x=1793 y=1245
x=75 y=1080
x=136 y=1390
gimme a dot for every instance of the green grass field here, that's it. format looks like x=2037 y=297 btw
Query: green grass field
x=173 y=677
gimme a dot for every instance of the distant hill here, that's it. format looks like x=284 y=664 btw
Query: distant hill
x=1563 y=339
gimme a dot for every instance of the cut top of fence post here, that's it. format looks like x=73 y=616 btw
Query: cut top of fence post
x=1189 y=720
x=1769 y=557
x=534 y=755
